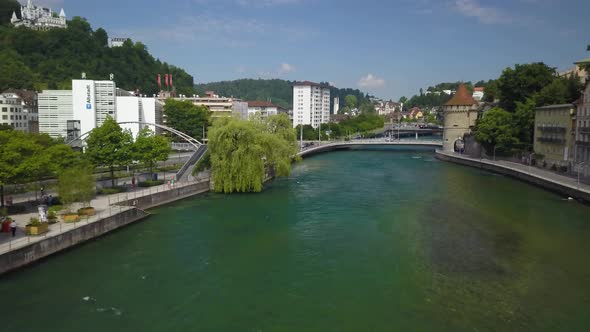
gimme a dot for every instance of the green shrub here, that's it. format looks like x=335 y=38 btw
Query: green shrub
x=54 y=209
x=3 y=212
x=150 y=183
x=203 y=164
x=170 y=168
x=110 y=191
x=34 y=222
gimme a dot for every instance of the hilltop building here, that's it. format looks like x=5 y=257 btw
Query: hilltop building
x=311 y=104
x=117 y=42
x=478 y=93
x=460 y=114
x=39 y=18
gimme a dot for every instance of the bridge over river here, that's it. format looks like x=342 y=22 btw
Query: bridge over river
x=336 y=145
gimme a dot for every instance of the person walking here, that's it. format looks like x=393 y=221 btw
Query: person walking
x=13 y=228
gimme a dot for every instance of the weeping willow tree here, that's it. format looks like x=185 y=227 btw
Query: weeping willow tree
x=242 y=151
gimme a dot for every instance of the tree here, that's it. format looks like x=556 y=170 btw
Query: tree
x=351 y=101
x=523 y=82
x=242 y=151
x=7 y=7
x=496 y=131
x=403 y=100
x=109 y=146
x=187 y=117
x=560 y=91
x=13 y=72
x=524 y=120
x=150 y=148
x=76 y=185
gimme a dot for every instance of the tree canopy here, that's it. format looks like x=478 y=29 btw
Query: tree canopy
x=522 y=82
x=51 y=59
x=242 y=151
x=187 y=117
x=109 y=146
x=497 y=131
x=150 y=148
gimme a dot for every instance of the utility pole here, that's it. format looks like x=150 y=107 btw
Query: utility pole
x=320 y=133
x=301 y=136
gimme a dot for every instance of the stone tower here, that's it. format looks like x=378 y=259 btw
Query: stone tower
x=460 y=115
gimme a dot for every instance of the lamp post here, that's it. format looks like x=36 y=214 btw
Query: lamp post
x=301 y=136
x=494 y=152
x=580 y=165
x=320 y=133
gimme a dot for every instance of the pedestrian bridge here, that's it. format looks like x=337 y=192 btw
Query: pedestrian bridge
x=336 y=145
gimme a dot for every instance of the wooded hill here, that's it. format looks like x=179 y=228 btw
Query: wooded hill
x=51 y=59
x=280 y=92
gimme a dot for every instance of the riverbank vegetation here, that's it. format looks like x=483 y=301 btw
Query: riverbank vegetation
x=361 y=125
x=242 y=152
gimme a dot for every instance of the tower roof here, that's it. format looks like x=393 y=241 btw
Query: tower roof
x=62 y=13
x=462 y=98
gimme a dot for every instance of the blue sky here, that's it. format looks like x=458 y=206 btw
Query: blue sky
x=388 y=48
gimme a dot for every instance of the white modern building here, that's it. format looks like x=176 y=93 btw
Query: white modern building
x=133 y=108
x=336 y=105
x=38 y=18
x=93 y=102
x=55 y=112
x=311 y=104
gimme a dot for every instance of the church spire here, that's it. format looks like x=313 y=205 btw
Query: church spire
x=30 y=3
x=62 y=13
x=14 y=18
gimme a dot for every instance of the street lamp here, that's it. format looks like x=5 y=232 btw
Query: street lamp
x=494 y=153
x=580 y=165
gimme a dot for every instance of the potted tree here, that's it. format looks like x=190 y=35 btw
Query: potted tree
x=35 y=227
x=76 y=185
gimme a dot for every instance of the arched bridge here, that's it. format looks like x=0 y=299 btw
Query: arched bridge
x=192 y=141
x=187 y=168
x=335 y=145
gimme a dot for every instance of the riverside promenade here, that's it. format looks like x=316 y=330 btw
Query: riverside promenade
x=112 y=212
x=564 y=185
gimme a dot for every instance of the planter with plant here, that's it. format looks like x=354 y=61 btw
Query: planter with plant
x=76 y=185
x=87 y=211
x=35 y=227
x=51 y=217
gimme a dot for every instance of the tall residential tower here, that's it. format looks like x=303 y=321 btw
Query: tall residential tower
x=311 y=104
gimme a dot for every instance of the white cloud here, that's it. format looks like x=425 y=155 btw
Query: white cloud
x=371 y=81
x=486 y=15
x=283 y=69
x=286 y=68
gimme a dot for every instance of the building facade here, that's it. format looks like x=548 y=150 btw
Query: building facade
x=264 y=109
x=133 y=108
x=311 y=104
x=30 y=107
x=218 y=106
x=582 y=145
x=554 y=134
x=460 y=114
x=39 y=18
x=56 y=112
x=478 y=93
x=93 y=102
x=12 y=112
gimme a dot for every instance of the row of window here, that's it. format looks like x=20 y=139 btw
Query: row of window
x=14 y=117
x=12 y=109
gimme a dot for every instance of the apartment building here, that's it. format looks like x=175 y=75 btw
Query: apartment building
x=311 y=104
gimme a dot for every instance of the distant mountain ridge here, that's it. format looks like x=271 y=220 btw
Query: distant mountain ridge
x=279 y=91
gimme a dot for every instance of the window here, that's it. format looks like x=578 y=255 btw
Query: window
x=4 y=109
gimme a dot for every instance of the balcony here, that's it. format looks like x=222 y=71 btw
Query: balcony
x=552 y=140
x=552 y=129
x=585 y=130
x=582 y=143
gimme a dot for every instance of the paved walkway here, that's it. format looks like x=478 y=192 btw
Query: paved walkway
x=105 y=206
x=529 y=170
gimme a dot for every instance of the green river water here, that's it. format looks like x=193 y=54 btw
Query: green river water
x=367 y=240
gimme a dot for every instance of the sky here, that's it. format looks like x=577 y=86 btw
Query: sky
x=389 y=48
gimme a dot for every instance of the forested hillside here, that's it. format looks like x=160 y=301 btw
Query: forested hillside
x=51 y=59
x=280 y=92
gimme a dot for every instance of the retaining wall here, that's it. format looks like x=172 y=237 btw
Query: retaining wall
x=539 y=181
x=21 y=257
x=164 y=197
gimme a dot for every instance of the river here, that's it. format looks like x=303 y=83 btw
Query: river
x=369 y=240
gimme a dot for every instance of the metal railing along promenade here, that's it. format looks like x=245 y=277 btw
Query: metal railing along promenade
x=105 y=207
